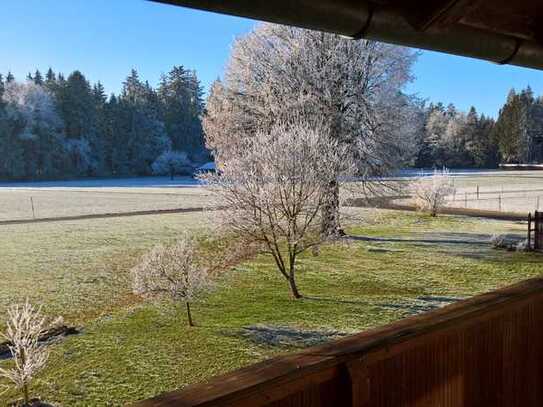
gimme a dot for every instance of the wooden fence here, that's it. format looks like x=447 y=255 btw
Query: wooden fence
x=535 y=226
x=484 y=351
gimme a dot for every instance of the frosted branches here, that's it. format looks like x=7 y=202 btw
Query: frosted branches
x=430 y=193
x=25 y=326
x=272 y=191
x=172 y=272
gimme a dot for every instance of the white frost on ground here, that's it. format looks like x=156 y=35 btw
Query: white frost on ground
x=136 y=182
x=49 y=199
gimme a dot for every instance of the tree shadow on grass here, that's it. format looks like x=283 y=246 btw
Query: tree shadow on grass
x=336 y=300
x=421 y=304
x=286 y=336
x=430 y=239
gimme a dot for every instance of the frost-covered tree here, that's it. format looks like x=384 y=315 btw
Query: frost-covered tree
x=453 y=138
x=431 y=151
x=272 y=191
x=171 y=163
x=96 y=135
x=11 y=150
x=35 y=130
x=25 y=326
x=172 y=272
x=430 y=193
x=278 y=72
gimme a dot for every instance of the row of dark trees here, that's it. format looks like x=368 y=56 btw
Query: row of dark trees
x=453 y=138
x=57 y=127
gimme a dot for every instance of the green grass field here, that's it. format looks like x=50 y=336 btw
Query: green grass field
x=130 y=349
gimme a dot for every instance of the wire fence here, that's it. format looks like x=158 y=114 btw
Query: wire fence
x=498 y=199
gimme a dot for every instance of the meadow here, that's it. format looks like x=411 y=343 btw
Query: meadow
x=507 y=191
x=28 y=200
x=394 y=264
x=491 y=190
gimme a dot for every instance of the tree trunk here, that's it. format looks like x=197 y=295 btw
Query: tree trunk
x=330 y=227
x=26 y=396
x=294 y=288
x=189 y=315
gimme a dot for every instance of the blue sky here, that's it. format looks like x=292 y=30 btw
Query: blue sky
x=105 y=39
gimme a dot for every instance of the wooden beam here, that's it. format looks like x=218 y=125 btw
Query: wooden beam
x=441 y=13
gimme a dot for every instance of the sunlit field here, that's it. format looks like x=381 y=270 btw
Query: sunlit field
x=395 y=264
x=503 y=191
x=507 y=191
x=19 y=201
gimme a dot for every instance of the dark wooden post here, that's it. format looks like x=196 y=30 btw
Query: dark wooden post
x=537 y=230
x=360 y=382
x=529 y=230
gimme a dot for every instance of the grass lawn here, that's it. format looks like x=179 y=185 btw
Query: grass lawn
x=129 y=349
x=16 y=203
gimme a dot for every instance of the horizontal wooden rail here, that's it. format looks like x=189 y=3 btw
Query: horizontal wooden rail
x=484 y=351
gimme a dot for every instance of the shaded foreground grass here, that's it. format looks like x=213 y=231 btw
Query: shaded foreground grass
x=131 y=349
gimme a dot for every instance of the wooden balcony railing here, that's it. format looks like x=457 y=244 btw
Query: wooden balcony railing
x=484 y=351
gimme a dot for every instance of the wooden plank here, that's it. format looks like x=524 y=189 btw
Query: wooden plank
x=256 y=385
x=360 y=382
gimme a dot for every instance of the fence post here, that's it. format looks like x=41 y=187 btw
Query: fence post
x=499 y=203
x=465 y=199
x=32 y=204
x=529 y=230
x=477 y=191
x=537 y=229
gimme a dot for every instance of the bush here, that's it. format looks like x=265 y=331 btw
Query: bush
x=430 y=193
x=498 y=241
x=172 y=162
x=25 y=326
x=173 y=272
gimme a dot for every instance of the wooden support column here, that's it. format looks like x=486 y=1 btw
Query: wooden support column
x=360 y=382
x=530 y=231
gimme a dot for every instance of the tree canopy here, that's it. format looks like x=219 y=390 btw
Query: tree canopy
x=57 y=127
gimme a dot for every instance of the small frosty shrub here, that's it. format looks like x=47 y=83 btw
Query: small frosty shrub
x=498 y=241
x=172 y=272
x=25 y=326
x=522 y=246
x=430 y=193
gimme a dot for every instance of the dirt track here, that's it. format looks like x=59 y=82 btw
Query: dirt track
x=479 y=213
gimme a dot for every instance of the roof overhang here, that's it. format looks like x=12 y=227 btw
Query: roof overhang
x=500 y=31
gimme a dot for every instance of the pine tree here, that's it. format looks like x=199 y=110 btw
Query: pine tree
x=181 y=96
x=51 y=81
x=38 y=78
x=78 y=113
x=97 y=143
x=516 y=126
x=141 y=125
